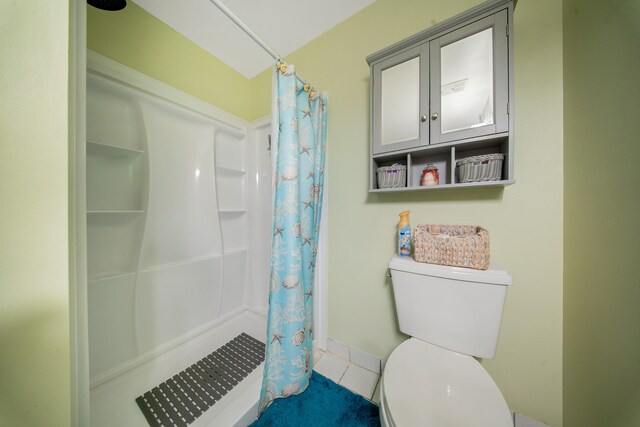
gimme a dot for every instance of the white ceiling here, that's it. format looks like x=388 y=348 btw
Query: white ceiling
x=285 y=25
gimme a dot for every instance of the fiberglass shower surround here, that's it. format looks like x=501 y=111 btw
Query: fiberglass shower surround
x=177 y=210
x=166 y=222
x=178 y=240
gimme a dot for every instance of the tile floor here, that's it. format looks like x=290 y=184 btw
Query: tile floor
x=353 y=377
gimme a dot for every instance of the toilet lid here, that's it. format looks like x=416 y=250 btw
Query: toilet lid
x=426 y=385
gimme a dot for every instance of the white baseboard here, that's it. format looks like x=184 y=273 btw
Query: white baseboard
x=337 y=348
x=355 y=355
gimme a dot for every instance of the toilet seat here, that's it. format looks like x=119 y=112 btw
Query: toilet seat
x=428 y=386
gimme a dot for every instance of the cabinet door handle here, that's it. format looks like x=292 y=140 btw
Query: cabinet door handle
x=434 y=116
x=423 y=118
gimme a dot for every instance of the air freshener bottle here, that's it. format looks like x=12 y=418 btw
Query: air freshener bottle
x=404 y=235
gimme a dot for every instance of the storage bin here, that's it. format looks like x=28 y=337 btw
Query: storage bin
x=454 y=245
x=393 y=176
x=487 y=167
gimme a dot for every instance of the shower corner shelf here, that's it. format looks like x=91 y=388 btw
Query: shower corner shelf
x=231 y=171
x=232 y=211
x=110 y=276
x=100 y=148
x=100 y=212
x=234 y=251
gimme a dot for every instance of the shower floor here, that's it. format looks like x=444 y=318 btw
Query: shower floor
x=113 y=402
x=181 y=399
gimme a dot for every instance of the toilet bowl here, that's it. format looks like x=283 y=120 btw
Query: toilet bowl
x=425 y=385
x=433 y=378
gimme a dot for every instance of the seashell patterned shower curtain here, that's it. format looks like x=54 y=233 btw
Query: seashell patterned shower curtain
x=299 y=123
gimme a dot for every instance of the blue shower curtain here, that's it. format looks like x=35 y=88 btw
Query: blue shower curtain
x=298 y=153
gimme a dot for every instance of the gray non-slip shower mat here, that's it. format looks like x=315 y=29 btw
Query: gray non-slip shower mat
x=185 y=396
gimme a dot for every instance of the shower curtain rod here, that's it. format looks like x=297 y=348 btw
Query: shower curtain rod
x=224 y=9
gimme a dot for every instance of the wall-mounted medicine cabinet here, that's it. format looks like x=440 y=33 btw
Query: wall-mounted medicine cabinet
x=443 y=95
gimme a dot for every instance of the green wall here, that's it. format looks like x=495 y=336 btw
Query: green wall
x=525 y=220
x=137 y=39
x=34 y=260
x=601 y=369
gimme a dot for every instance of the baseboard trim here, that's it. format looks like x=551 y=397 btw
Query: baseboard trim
x=355 y=356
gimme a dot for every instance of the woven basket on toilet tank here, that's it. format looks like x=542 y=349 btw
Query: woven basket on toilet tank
x=454 y=245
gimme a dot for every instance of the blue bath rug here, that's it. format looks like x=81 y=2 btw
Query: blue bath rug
x=323 y=404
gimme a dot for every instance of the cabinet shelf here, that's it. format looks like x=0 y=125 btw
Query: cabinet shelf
x=464 y=144
x=501 y=183
x=444 y=157
x=100 y=148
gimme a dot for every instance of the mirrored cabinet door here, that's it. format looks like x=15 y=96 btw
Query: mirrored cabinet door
x=469 y=81
x=398 y=101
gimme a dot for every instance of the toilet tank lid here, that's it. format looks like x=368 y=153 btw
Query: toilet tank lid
x=492 y=275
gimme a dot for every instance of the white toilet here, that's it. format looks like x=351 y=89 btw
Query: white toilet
x=452 y=315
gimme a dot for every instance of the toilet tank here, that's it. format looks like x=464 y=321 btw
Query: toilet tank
x=459 y=309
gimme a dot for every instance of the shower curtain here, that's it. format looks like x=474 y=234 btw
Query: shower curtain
x=299 y=124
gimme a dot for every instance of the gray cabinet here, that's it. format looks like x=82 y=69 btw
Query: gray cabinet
x=443 y=95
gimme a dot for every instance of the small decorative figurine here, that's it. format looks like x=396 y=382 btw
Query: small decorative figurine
x=429 y=176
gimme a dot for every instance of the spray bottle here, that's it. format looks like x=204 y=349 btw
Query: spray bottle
x=404 y=235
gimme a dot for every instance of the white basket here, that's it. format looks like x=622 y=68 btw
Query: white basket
x=487 y=167
x=393 y=176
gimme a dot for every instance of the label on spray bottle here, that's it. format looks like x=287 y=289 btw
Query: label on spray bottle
x=404 y=241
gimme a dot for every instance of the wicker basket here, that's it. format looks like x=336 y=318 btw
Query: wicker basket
x=455 y=245
x=393 y=176
x=487 y=167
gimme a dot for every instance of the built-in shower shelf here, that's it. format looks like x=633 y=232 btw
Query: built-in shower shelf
x=232 y=211
x=235 y=251
x=111 y=276
x=114 y=212
x=231 y=171
x=103 y=149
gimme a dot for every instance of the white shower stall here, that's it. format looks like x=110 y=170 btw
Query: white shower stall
x=178 y=227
